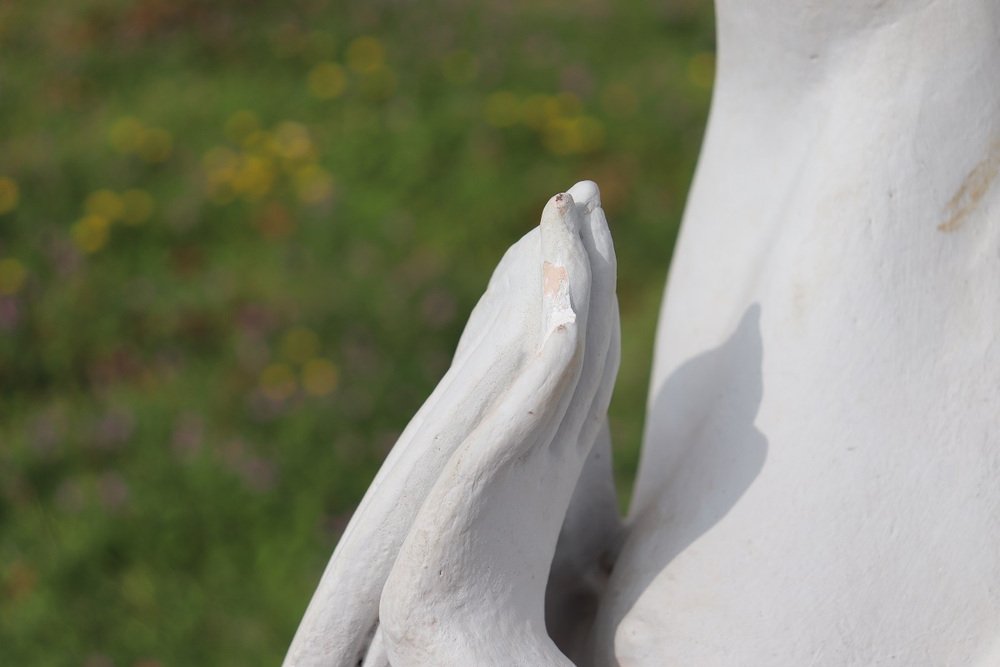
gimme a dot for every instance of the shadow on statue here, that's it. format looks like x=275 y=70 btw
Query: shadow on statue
x=701 y=453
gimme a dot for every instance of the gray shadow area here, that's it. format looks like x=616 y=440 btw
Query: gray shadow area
x=701 y=453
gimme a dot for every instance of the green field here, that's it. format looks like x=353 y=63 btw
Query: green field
x=238 y=242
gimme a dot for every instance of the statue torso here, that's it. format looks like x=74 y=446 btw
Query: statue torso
x=819 y=482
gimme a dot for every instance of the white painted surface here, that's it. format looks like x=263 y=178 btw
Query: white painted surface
x=819 y=479
x=455 y=537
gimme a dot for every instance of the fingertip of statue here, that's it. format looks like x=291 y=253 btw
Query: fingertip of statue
x=562 y=208
x=587 y=194
x=564 y=201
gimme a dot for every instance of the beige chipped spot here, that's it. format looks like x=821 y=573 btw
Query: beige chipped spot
x=975 y=185
x=553 y=276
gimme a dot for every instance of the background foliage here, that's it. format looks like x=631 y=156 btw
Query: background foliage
x=238 y=242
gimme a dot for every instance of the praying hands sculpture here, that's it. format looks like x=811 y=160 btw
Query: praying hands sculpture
x=518 y=419
x=819 y=477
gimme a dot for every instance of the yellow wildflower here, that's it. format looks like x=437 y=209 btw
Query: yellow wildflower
x=569 y=136
x=104 y=203
x=365 y=54
x=327 y=80
x=90 y=233
x=536 y=110
x=319 y=377
x=300 y=344
x=126 y=134
x=220 y=165
x=254 y=177
x=292 y=141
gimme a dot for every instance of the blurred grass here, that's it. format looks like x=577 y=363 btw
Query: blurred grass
x=238 y=242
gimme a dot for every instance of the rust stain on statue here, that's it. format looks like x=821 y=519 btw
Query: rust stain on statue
x=552 y=276
x=975 y=185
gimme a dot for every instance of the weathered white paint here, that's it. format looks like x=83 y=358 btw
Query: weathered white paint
x=818 y=483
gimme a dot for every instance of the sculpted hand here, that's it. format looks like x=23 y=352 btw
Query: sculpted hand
x=451 y=548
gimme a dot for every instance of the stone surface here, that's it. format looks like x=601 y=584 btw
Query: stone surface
x=818 y=483
x=446 y=559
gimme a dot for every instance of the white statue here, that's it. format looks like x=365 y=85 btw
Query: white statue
x=820 y=478
x=442 y=532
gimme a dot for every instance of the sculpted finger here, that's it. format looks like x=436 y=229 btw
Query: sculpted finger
x=502 y=334
x=467 y=586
